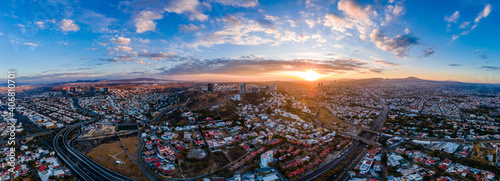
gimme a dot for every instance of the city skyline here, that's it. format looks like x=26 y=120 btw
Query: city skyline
x=250 y=40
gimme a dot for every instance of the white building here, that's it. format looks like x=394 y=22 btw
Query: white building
x=266 y=158
x=237 y=97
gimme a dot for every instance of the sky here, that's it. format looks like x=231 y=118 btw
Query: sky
x=250 y=40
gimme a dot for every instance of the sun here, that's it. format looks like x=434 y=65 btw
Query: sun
x=309 y=75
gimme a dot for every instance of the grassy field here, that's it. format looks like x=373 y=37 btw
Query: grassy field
x=200 y=99
x=326 y=118
x=129 y=169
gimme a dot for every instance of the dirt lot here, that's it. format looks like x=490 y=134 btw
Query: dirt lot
x=236 y=152
x=200 y=99
x=480 y=154
x=220 y=158
x=195 y=167
x=129 y=169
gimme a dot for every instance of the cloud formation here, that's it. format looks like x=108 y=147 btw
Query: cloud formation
x=239 y=3
x=428 y=52
x=490 y=67
x=399 y=45
x=386 y=63
x=157 y=56
x=68 y=25
x=186 y=7
x=467 y=24
x=144 y=21
x=239 y=31
x=256 y=66
x=120 y=40
x=353 y=9
x=452 y=18
x=189 y=28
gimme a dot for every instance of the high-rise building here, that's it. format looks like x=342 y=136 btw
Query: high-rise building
x=210 y=87
x=242 y=89
x=266 y=158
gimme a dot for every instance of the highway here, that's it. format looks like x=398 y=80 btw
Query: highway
x=82 y=166
x=379 y=122
x=352 y=150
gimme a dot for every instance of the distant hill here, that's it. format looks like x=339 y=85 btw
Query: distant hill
x=134 y=80
x=417 y=82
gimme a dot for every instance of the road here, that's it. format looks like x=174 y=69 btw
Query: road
x=82 y=166
x=138 y=157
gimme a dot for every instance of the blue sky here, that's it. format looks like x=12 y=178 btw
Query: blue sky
x=225 y=40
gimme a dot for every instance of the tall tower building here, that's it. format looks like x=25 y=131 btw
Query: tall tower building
x=242 y=89
x=266 y=158
x=210 y=87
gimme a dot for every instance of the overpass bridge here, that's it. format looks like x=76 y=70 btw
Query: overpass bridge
x=20 y=140
x=364 y=140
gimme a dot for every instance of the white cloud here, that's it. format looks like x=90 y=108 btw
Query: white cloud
x=122 y=48
x=464 y=25
x=398 y=10
x=239 y=31
x=318 y=37
x=271 y=18
x=187 y=7
x=239 y=3
x=483 y=14
x=68 y=25
x=63 y=42
x=189 y=28
x=40 y=24
x=31 y=44
x=354 y=10
x=120 y=40
x=452 y=18
x=311 y=22
x=407 y=31
x=336 y=22
x=144 y=21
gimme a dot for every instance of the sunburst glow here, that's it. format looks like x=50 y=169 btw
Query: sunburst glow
x=309 y=75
